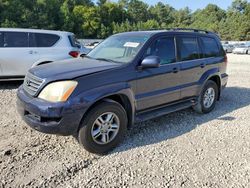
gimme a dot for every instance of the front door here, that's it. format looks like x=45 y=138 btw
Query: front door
x=159 y=86
x=15 y=56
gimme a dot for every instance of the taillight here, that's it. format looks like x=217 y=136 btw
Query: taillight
x=74 y=54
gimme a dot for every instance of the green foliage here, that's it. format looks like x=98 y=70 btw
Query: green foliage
x=89 y=20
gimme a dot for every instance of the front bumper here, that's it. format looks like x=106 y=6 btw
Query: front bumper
x=46 y=117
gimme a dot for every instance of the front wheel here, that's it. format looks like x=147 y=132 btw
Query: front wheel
x=103 y=128
x=208 y=97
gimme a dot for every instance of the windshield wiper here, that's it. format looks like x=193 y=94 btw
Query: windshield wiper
x=108 y=60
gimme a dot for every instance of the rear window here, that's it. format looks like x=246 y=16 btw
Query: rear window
x=15 y=39
x=43 y=39
x=1 y=40
x=210 y=47
x=188 y=48
x=74 y=42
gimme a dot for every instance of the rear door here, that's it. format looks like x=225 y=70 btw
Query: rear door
x=192 y=65
x=44 y=47
x=213 y=54
x=158 y=86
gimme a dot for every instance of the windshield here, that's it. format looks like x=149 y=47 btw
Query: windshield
x=119 y=48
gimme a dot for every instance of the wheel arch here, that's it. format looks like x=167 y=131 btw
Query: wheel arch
x=42 y=62
x=217 y=80
x=120 y=98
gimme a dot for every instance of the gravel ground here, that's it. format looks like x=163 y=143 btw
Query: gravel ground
x=183 y=149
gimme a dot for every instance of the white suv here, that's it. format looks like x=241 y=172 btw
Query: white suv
x=21 y=49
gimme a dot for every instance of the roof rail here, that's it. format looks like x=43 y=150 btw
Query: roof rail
x=185 y=29
x=192 y=30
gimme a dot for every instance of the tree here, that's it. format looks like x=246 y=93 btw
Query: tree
x=137 y=11
x=89 y=20
x=208 y=18
x=239 y=5
x=182 y=18
x=163 y=14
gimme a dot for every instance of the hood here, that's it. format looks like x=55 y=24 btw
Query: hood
x=69 y=69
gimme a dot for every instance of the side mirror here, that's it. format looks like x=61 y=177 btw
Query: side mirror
x=150 y=62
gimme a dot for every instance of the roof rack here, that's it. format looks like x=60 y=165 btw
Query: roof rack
x=184 y=29
x=192 y=30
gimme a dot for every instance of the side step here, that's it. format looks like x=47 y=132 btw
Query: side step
x=150 y=114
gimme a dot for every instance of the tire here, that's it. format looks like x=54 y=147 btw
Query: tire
x=203 y=107
x=100 y=138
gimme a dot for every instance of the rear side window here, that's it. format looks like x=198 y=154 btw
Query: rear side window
x=15 y=39
x=210 y=47
x=1 y=39
x=74 y=42
x=163 y=48
x=43 y=39
x=188 y=48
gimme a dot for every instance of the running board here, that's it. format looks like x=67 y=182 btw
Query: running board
x=150 y=114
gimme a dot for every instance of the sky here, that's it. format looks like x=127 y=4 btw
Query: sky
x=192 y=4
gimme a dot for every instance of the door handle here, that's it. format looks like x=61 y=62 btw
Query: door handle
x=175 y=70
x=32 y=52
x=202 y=65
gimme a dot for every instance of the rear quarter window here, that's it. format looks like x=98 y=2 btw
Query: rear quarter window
x=188 y=48
x=74 y=42
x=210 y=47
x=43 y=39
x=15 y=40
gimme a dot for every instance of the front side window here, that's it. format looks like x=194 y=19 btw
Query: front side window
x=15 y=40
x=188 y=48
x=45 y=40
x=119 y=48
x=210 y=47
x=164 y=48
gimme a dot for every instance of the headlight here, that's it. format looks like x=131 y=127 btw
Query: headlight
x=58 y=91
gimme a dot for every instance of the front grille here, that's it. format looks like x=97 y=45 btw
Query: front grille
x=32 y=84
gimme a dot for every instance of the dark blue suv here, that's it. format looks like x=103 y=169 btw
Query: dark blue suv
x=129 y=77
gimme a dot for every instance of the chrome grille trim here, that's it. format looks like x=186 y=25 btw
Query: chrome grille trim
x=32 y=84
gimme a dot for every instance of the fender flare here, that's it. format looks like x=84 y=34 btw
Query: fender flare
x=207 y=76
x=93 y=96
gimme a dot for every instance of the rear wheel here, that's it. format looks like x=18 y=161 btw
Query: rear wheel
x=103 y=128
x=207 y=98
